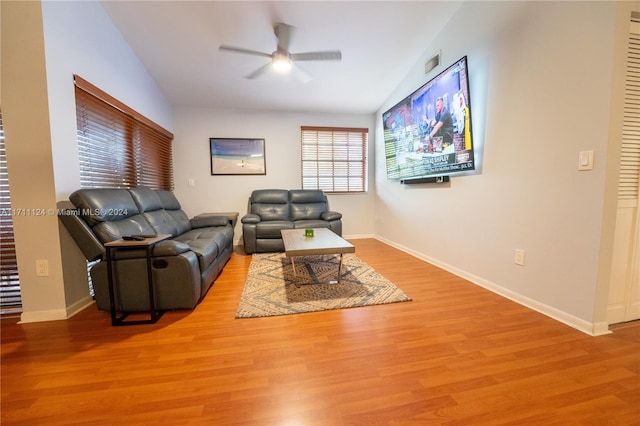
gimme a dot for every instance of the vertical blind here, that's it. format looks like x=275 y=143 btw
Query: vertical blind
x=628 y=184
x=334 y=159
x=118 y=147
x=10 y=298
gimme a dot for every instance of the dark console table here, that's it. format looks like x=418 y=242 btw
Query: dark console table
x=119 y=245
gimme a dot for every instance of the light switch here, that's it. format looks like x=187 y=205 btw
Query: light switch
x=192 y=182
x=585 y=160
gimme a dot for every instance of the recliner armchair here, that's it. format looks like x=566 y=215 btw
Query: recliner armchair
x=271 y=210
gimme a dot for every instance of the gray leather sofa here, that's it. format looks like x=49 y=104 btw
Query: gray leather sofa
x=184 y=267
x=271 y=210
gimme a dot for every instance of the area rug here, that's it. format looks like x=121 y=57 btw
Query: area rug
x=272 y=288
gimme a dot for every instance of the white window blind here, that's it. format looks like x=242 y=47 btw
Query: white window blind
x=334 y=159
x=628 y=184
x=10 y=297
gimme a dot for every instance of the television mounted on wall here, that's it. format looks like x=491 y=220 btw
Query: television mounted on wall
x=428 y=133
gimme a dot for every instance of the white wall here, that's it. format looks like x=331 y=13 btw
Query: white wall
x=281 y=131
x=79 y=38
x=29 y=158
x=540 y=76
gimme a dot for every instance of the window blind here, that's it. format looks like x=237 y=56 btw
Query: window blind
x=118 y=147
x=334 y=159
x=10 y=297
x=628 y=184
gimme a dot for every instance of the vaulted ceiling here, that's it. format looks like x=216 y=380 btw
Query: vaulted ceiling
x=178 y=43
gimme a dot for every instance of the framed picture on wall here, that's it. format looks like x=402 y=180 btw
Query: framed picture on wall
x=237 y=156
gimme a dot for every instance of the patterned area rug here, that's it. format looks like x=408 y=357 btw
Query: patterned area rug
x=272 y=289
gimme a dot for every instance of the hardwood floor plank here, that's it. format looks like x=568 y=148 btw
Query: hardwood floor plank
x=456 y=354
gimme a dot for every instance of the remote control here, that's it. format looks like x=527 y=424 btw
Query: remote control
x=132 y=238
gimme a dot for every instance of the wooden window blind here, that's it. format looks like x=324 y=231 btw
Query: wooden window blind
x=334 y=159
x=118 y=147
x=628 y=184
x=10 y=297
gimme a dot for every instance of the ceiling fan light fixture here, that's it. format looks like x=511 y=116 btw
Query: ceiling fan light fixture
x=281 y=63
x=282 y=60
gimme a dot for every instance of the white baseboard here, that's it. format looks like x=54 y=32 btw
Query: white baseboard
x=56 y=314
x=358 y=236
x=79 y=306
x=592 y=329
x=40 y=316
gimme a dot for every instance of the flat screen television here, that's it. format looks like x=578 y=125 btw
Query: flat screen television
x=428 y=133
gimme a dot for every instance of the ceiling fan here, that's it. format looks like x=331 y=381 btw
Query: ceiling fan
x=281 y=59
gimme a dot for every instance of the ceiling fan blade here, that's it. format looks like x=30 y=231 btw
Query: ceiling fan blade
x=257 y=73
x=300 y=74
x=327 y=55
x=227 y=48
x=283 y=33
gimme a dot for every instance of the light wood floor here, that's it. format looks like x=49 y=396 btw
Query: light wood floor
x=456 y=355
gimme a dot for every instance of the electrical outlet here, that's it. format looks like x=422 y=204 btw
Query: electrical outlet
x=42 y=268
x=518 y=257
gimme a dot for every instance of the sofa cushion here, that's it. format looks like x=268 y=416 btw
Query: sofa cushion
x=146 y=199
x=271 y=229
x=111 y=213
x=307 y=211
x=307 y=196
x=152 y=209
x=111 y=231
x=175 y=215
x=270 y=204
x=205 y=250
x=168 y=199
x=307 y=204
x=207 y=243
x=270 y=196
x=103 y=204
x=304 y=224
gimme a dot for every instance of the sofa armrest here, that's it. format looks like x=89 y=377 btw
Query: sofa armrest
x=250 y=218
x=204 y=221
x=170 y=248
x=90 y=246
x=331 y=215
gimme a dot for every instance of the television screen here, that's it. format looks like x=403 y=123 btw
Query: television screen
x=428 y=133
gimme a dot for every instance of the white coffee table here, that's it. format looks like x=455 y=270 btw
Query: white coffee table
x=324 y=241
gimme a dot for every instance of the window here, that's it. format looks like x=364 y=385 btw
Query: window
x=334 y=159
x=118 y=147
x=10 y=298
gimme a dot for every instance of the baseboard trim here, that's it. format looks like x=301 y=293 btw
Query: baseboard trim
x=592 y=329
x=41 y=316
x=358 y=236
x=79 y=306
x=56 y=314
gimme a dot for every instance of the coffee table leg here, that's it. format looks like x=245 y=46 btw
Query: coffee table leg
x=340 y=269
x=293 y=265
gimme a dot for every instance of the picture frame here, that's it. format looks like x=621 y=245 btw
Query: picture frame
x=237 y=156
